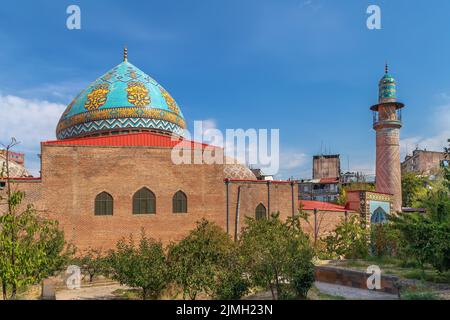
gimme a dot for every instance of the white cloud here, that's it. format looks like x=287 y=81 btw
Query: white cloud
x=292 y=159
x=30 y=121
x=436 y=140
x=293 y=164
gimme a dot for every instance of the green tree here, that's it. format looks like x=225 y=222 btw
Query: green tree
x=197 y=260
x=349 y=240
x=142 y=266
x=426 y=237
x=416 y=241
x=437 y=201
x=440 y=251
x=31 y=246
x=231 y=282
x=92 y=262
x=277 y=256
x=412 y=187
x=384 y=240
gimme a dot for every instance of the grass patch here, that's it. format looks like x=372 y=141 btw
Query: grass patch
x=429 y=275
x=419 y=295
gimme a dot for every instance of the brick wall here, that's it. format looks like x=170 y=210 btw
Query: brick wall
x=72 y=176
x=326 y=222
x=33 y=194
x=253 y=194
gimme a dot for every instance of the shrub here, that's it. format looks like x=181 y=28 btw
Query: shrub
x=302 y=276
x=349 y=240
x=231 y=285
x=424 y=240
x=197 y=261
x=440 y=250
x=31 y=247
x=277 y=256
x=92 y=262
x=384 y=240
x=143 y=266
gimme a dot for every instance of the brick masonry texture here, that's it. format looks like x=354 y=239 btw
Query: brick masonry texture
x=72 y=176
x=388 y=170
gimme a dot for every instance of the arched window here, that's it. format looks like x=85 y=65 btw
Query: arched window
x=261 y=212
x=179 y=202
x=103 y=204
x=144 y=202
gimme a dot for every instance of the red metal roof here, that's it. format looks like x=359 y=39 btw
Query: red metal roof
x=322 y=206
x=142 y=139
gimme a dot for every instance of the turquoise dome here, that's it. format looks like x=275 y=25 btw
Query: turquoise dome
x=124 y=99
x=387 y=89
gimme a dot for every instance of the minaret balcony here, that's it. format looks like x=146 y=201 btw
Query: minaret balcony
x=393 y=119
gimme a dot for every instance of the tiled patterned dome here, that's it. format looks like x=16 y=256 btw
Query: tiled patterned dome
x=125 y=98
x=238 y=171
x=387 y=88
x=15 y=170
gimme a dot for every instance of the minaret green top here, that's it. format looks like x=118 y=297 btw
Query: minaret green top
x=387 y=88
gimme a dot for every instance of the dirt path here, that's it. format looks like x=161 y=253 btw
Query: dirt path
x=106 y=293
x=90 y=293
x=350 y=293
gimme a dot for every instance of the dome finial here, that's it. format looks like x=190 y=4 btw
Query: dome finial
x=125 y=53
x=386 y=68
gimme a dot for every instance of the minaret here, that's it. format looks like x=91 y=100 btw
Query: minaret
x=387 y=121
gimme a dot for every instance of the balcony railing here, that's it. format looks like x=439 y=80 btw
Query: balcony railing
x=398 y=117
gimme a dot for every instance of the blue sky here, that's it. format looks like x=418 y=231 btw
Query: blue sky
x=307 y=67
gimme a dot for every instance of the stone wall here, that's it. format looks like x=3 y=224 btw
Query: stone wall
x=353 y=278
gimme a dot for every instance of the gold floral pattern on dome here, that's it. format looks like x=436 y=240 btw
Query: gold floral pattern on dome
x=137 y=94
x=122 y=112
x=169 y=101
x=97 y=97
